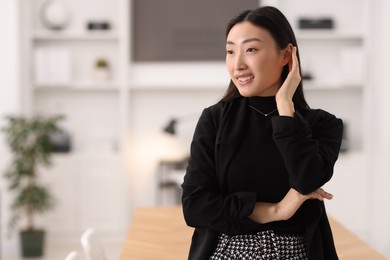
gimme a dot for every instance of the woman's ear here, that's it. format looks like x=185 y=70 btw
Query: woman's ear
x=287 y=54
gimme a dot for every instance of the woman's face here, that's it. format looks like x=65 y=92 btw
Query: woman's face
x=254 y=61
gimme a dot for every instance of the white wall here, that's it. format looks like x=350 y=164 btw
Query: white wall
x=9 y=97
x=379 y=211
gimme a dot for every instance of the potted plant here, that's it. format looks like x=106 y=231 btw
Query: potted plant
x=102 y=69
x=30 y=145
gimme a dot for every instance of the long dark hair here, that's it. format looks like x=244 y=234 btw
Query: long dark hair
x=273 y=20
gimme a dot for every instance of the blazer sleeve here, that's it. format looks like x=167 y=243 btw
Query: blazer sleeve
x=309 y=147
x=204 y=205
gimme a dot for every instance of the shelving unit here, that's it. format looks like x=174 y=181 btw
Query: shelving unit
x=336 y=59
x=90 y=183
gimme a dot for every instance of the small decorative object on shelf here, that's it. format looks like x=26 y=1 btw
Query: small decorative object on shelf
x=102 y=69
x=100 y=25
x=307 y=76
x=54 y=15
x=316 y=23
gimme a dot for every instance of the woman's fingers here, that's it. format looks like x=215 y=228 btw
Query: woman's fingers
x=325 y=194
x=320 y=194
x=294 y=60
x=295 y=63
x=294 y=76
x=316 y=195
x=291 y=62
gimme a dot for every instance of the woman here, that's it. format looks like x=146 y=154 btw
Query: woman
x=260 y=156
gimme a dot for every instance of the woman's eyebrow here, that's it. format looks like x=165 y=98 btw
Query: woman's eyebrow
x=245 y=41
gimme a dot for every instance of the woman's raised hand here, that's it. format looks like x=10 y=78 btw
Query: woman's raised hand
x=286 y=92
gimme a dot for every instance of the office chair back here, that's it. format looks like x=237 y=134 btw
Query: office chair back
x=73 y=256
x=92 y=246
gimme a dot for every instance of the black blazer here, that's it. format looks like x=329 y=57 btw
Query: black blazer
x=312 y=137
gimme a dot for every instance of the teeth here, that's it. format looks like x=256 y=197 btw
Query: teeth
x=243 y=79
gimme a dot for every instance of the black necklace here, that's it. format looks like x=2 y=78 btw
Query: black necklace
x=264 y=114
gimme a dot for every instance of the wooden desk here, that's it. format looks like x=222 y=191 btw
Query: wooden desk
x=161 y=233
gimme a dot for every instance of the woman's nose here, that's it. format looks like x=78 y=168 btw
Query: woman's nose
x=239 y=63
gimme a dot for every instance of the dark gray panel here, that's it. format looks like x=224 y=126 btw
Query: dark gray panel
x=183 y=30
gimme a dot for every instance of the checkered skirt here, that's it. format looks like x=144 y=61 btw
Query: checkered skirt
x=264 y=245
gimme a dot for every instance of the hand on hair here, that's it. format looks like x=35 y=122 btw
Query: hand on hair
x=286 y=92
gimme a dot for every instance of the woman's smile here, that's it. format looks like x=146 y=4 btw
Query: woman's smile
x=245 y=79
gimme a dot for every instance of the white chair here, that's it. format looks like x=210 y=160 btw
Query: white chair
x=92 y=246
x=73 y=256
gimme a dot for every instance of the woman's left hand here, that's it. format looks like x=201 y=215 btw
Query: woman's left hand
x=286 y=92
x=293 y=200
x=265 y=212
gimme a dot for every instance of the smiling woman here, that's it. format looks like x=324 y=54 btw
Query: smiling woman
x=260 y=156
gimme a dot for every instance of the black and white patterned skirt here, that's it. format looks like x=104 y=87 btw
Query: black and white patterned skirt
x=260 y=246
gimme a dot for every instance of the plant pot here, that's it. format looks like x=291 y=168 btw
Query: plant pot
x=32 y=243
x=102 y=74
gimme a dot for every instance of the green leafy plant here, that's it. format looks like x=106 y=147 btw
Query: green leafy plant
x=29 y=142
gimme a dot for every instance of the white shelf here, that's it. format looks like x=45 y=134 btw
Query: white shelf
x=330 y=86
x=328 y=35
x=79 y=86
x=178 y=87
x=74 y=36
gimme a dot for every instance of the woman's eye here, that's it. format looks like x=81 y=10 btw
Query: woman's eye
x=251 y=50
x=229 y=52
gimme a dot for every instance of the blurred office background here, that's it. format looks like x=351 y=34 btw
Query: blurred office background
x=122 y=70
